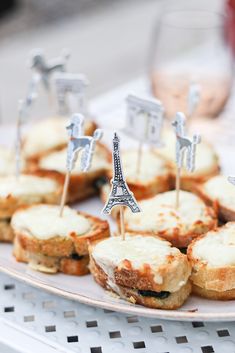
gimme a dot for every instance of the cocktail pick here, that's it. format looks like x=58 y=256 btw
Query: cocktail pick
x=144 y=122
x=183 y=145
x=18 y=140
x=231 y=180
x=78 y=143
x=74 y=84
x=193 y=98
x=120 y=194
x=46 y=67
x=23 y=111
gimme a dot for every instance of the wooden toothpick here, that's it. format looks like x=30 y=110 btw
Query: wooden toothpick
x=183 y=145
x=18 y=141
x=65 y=192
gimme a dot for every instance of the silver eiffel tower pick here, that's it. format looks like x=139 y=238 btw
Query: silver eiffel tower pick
x=120 y=195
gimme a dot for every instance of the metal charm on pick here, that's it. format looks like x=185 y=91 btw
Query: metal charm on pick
x=144 y=119
x=80 y=143
x=67 y=83
x=120 y=193
x=45 y=68
x=184 y=144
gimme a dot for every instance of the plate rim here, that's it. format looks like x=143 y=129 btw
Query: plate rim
x=172 y=315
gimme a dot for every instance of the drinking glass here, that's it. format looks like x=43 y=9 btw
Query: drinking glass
x=190 y=50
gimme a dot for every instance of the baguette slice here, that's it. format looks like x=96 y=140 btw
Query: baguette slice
x=72 y=265
x=219 y=192
x=212 y=257
x=26 y=190
x=6 y=232
x=56 y=242
x=49 y=135
x=179 y=226
x=81 y=185
x=7 y=161
x=143 y=270
x=207 y=163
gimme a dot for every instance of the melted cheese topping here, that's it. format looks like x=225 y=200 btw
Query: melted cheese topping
x=218 y=188
x=46 y=134
x=44 y=222
x=151 y=166
x=205 y=161
x=139 y=250
x=26 y=185
x=217 y=248
x=159 y=213
x=57 y=161
x=7 y=161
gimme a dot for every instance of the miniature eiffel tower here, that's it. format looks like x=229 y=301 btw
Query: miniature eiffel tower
x=120 y=193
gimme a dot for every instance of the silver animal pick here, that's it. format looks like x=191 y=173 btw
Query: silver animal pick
x=45 y=68
x=120 y=193
x=193 y=97
x=184 y=144
x=80 y=143
x=231 y=180
x=75 y=84
x=144 y=119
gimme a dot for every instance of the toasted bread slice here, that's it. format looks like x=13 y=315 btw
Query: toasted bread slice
x=207 y=163
x=73 y=265
x=7 y=161
x=179 y=226
x=40 y=230
x=219 y=192
x=145 y=270
x=26 y=190
x=6 y=232
x=81 y=185
x=35 y=145
x=153 y=176
x=212 y=257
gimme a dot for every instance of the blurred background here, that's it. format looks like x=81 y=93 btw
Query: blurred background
x=110 y=40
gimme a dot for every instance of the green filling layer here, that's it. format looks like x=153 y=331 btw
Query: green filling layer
x=151 y=293
x=76 y=257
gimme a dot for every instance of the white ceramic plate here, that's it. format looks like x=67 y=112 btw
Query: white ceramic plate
x=84 y=289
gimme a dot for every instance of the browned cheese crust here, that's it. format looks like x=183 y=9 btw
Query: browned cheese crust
x=64 y=247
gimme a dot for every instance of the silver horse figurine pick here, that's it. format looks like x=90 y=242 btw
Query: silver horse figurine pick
x=78 y=143
x=46 y=68
x=183 y=144
x=120 y=193
x=85 y=144
x=231 y=180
